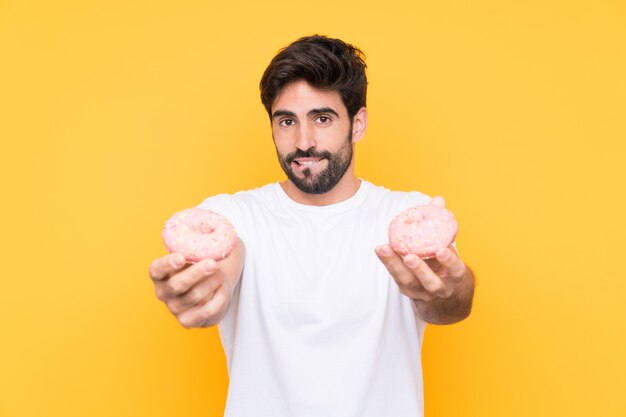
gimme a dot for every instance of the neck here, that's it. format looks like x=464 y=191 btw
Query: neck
x=347 y=186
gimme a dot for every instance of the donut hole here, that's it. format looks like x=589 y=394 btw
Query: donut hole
x=205 y=228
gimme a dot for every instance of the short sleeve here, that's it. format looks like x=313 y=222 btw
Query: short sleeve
x=227 y=206
x=415 y=198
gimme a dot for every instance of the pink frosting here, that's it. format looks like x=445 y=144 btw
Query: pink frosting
x=199 y=234
x=422 y=230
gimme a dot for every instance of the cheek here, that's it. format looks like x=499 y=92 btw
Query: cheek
x=284 y=140
x=282 y=136
x=281 y=147
x=331 y=137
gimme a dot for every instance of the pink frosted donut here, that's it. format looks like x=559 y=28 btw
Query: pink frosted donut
x=422 y=230
x=199 y=234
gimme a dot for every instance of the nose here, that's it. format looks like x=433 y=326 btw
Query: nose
x=305 y=138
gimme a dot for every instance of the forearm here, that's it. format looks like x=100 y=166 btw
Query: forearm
x=452 y=309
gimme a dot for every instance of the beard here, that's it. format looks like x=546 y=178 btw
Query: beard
x=325 y=180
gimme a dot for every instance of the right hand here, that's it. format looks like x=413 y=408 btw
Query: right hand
x=197 y=294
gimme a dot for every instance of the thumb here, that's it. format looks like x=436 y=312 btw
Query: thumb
x=437 y=201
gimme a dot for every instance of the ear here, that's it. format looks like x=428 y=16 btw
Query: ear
x=359 y=125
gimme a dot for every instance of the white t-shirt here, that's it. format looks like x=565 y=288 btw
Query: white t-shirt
x=317 y=327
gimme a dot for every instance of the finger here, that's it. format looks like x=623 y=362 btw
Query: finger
x=198 y=294
x=429 y=280
x=181 y=282
x=394 y=265
x=448 y=258
x=206 y=314
x=438 y=201
x=166 y=265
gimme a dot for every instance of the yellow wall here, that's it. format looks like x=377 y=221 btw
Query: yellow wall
x=114 y=115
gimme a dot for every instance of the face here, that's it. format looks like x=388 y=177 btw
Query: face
x=313 y=136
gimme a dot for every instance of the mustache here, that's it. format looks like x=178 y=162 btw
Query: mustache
x=309 y=153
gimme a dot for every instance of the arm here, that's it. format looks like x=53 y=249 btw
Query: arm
x=447 y=310
x=441 y=288
x=197 y=294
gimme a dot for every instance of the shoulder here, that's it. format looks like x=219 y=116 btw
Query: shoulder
x=239 y=198
x=240 y=207
x=399 y=199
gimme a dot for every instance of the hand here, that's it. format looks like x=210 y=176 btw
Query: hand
x=197 y=294
x=425 y=280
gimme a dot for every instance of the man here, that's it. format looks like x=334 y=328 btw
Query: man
x=318 y=316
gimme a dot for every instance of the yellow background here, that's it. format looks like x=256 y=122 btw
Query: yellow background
x=114 y=115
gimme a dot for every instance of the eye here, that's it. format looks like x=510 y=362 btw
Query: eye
x=324 y=120
x=286 y=122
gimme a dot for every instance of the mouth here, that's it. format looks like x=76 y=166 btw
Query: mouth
x=307 y=161
x=310 y=164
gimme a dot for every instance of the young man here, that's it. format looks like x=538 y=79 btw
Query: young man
x=318 y=316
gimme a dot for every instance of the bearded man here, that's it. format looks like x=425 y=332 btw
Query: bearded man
x=318 y=316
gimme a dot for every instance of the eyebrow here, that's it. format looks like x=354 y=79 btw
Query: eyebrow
x=311 y=112
x=322 y=110
x=279 y=113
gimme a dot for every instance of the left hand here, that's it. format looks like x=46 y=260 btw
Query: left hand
x=424 y=279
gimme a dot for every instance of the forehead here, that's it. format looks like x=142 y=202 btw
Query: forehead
x=300 y=97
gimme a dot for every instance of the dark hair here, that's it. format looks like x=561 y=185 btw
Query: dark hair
x=324 y=63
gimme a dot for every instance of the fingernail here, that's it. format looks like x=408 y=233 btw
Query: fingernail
x=385 y=250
